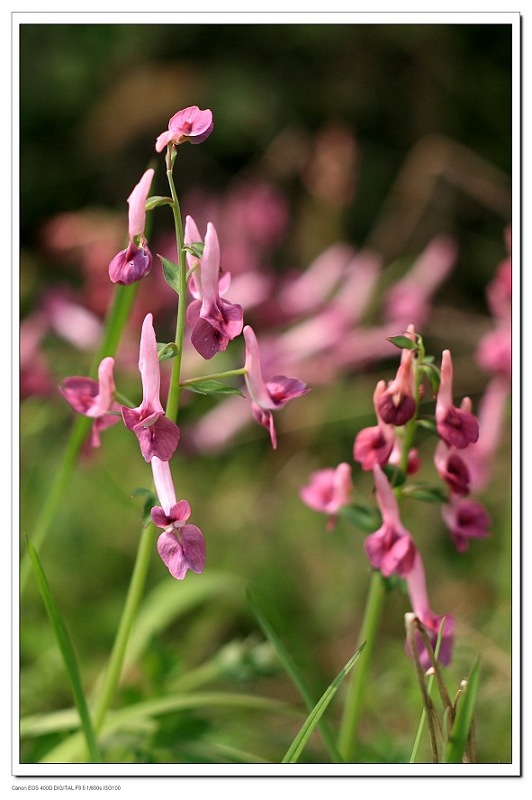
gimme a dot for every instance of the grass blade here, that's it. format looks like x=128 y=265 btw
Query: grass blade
x=69 y=657
x=459 y=735
x=295 y=676
x=296 y=748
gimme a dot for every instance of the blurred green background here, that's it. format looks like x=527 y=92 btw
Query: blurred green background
x=429 y=110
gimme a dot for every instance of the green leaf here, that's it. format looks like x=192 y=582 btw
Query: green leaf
x=404 y=342
x=433 y=374
x=428 y=424
x=156 y=200
x=166 y=351
x=195 y=249
x=69 y=657
x=151 y=500
x=210 y=386
x=458 y=738
x=430 y=494
x=171 y=273
x=295 y=675
x=365 y=518
x=396 y=476
x=296 y=748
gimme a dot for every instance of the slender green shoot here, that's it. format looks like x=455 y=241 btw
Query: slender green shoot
x=461 y=728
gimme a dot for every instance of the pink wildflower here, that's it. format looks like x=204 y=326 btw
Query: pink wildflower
x=373 y=446
x=492 y=410
x=456 y=426
x=157 y=435
x=417 y=591
x=396 y=404
x=215 y=321
x=93 y=398
x=390 y=549
x=188 y=125
x=267 y=396
x=452 y=468
x=181 y=546
x=135 y=261
x=329 y=490
x=466 y=519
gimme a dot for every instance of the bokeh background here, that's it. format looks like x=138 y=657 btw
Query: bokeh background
x=345 y=140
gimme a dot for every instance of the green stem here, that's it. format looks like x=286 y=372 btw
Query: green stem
x=174 y=391
x=115 y=324
x=134 y=595
x=230 y=373
x=347 y=741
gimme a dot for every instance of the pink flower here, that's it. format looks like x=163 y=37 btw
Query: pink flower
x=466 y=519
x=373 y=446
x=135 y=261
x=456 y=426
x=267 y=396
x=396 y=404
x=329 y=490
x=189 y=125
x=157 y=435
x=452 y=468
x=417 y=591
x=492 y=410
x=180 y=546
x=390 y=549
x=94 y=399
x=215 y=321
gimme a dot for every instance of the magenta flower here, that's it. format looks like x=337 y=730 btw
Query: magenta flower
x=417 y=591
x=181 y=546
x=215 y=322
x=93 y=398
x=267 y=396
x=373 y=446
x=456 y=426
x=465 y=519
x=390 y=549
x=136 y=260
x=493 y=407
x=452 y=468
x=157 y=435
x=329 y=490
x=189 y=125
x=396 y=404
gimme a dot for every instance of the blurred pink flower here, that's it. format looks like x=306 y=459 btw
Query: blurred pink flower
x=93 y=398
x=267 y=396
x=456 y=426
x=135 y=261
x=188 y=125
x=417 y=591
x=390 y=549
x=214 y=321
x=181 y=546
x=397 y=404
x=452 y=468
x=465 y=519
x=328 y=490
x=157 y=435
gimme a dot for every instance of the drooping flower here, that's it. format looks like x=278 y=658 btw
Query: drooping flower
x=188 y=125
x=93 y=398
x=456 y=426
x=374 y=445
x=136 y=260
x=391 y=548
x=465 y=519
x=328 y=490
x=215 y=321
x=452 y=468
x=267 y=396
x=397 y=404
x=181 y=546
x=157 y=435
x=417 y=591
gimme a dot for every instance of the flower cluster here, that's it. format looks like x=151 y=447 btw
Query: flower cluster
x=213 y=322
x=386 y=451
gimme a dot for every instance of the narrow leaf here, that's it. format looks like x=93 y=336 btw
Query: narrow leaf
x=156 y=200
x=171 y=273
x=295 y=675
x=210 y=386
x=430 y=494
x=296 y=748
x=68 y=654
x=367 y=519
x=168 y=350
x=404 y=342
x=458 y=738
x=195 y=249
